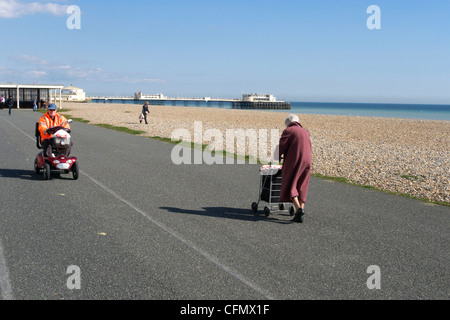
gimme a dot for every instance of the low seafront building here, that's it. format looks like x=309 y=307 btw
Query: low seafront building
x=71 y=93
x=24 y=94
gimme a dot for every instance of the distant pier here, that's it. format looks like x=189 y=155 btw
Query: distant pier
x=249 y=101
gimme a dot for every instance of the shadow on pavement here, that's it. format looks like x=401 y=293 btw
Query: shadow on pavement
x=232 y=213
x=30 y=175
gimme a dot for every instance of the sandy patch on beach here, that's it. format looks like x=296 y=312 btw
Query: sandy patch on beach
x=398 y=155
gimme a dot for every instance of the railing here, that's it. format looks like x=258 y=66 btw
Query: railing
x=104 y=97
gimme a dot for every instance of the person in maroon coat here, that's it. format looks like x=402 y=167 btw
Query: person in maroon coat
x=295 y=149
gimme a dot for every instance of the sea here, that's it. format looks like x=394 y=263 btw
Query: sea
x=387 y=110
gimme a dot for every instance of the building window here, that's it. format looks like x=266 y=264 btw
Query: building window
x=25 y=95
x=44 y=94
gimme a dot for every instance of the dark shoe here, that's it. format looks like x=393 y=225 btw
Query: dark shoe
x=298 y=216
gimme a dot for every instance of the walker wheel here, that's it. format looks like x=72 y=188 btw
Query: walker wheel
x=266 y=211
x=254 y=207
x=291 y=211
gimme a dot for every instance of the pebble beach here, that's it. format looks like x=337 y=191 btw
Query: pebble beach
x=405 y=156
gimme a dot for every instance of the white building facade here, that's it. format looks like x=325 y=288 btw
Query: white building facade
x=258 y=97
x=72 y=93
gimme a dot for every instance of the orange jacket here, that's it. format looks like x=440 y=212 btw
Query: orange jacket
x=45 y=122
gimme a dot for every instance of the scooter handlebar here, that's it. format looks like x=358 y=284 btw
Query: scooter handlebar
x=55 y=129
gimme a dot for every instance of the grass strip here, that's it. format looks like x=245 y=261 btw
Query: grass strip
x=121 y=129
x=247 y=158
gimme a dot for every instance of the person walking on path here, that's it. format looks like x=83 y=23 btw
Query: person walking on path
x=295 y=148
x=2 y=102
x=145 y=111
x=10 y=103
x=35 y=106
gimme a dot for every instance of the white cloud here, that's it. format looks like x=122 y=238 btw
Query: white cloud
x=26 y=68
x=35 y=74
x=31 y=60
x=16 y=8
x=5 y=70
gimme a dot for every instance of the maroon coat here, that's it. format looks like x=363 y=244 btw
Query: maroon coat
x=295 y=144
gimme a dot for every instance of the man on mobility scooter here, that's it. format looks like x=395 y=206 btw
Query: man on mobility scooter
x=52 y=135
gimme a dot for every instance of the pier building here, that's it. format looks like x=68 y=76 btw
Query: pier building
x=260 y=101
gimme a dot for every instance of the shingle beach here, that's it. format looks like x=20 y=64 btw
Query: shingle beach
x=397 y=155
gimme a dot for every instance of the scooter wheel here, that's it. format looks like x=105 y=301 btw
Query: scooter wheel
x=75 y=171
x=47 y=171
x=36 y=169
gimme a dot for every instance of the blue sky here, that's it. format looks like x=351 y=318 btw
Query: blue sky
x=298 y=50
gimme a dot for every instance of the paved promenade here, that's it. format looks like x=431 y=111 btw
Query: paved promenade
x=140 y=227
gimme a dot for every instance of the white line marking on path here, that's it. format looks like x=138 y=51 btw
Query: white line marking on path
x=175 y=234
x=190 y=244
x=5 y=285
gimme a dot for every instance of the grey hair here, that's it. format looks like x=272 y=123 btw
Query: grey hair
x=291 y=118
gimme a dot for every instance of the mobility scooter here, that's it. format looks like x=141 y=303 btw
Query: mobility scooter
x=57 y=162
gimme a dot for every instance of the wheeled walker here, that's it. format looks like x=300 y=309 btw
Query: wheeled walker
x=269 y=191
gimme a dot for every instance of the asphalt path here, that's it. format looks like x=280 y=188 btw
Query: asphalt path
x=140 y=227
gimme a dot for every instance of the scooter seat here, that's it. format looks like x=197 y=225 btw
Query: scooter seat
x=37 y=134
